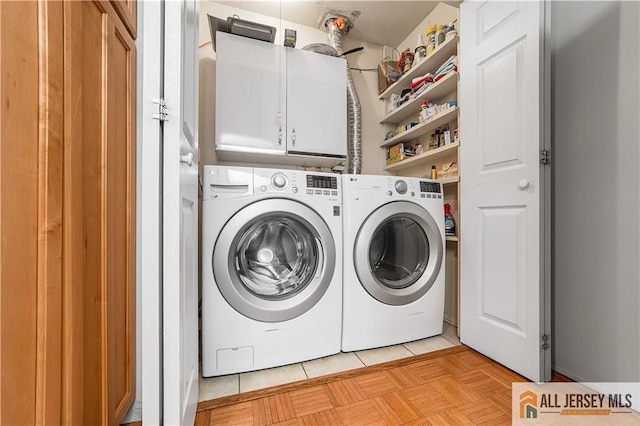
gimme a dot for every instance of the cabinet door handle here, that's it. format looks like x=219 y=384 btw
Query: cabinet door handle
x=293 y=136
x=280 y=135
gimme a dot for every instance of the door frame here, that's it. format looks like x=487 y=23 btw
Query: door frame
x=150 y=208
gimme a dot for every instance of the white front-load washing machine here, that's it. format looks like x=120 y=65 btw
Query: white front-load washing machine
x=271 y=268
x=394 y=260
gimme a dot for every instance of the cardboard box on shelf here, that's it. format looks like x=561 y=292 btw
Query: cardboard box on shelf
x=398 y=152
x=448 y=170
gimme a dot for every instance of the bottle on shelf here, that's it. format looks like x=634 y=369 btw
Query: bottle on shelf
x=418 y=148
x=432 y=141
x=423 y=108
x=421 y=49
x=434 y=172
x=406 y=60
x=431 y=38
x=449 y=221
x=440 y=35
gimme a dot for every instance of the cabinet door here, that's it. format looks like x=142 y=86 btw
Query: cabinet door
x=249 y=95
x=316 y=103
x=127 y=10
x=100 y=145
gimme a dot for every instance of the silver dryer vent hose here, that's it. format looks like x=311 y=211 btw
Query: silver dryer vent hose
x=354 y=111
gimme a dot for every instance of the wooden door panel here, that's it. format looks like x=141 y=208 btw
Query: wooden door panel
x=120 y=218
x=101 y=56
x=18 y=210
x=67 y=110
x=128 y=12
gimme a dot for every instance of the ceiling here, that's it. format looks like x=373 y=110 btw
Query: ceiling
x=381 y=22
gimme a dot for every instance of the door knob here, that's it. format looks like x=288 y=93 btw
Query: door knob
x=523 y=184
x=187 y=159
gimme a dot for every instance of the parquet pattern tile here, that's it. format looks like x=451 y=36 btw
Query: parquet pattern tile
x=454 y=386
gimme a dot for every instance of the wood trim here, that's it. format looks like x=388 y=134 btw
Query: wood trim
x=74 y=232
x=128 y=12
x=18 y=210
x=121 y=231
x=50 y=195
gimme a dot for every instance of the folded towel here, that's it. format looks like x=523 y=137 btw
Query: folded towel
x=428 y=77
x=452 y=61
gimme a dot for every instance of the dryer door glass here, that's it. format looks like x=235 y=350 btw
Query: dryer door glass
x=399 y=252
x=276 y=257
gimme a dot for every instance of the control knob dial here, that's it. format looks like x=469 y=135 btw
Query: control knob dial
x=401 y=187
x=279 y=180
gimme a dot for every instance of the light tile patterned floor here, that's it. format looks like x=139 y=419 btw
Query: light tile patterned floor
x=217 y=387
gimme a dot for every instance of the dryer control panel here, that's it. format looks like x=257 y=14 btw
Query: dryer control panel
x=430 y=189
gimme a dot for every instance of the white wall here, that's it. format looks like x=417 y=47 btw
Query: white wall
x=596 y=111
x=441 y=14
x=366 y=82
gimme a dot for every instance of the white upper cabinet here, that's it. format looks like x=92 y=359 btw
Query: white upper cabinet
x=316 y=103
x=278 y=105
x=250 y=101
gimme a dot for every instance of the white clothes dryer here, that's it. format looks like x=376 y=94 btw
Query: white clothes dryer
x=394 y=247
x=271 y=268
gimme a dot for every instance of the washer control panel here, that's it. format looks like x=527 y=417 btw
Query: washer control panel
x=322 y=185
x=297 y=182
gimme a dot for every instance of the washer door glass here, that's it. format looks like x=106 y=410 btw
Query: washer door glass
x=274 y=260
x=276 y=256
x=398 y=253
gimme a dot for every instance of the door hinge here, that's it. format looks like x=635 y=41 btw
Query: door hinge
x=545 y=342
x=161 y=114
x=545 y=156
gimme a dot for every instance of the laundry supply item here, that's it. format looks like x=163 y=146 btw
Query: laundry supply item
x=440 y=35
x=447 y=170
x=434 y=172
x=431 y=38
x=398 y=152
x=420 y=52
x=422 y=110
x=418 y=148
x=452 y=31
x=449 y=221
x=406 y=60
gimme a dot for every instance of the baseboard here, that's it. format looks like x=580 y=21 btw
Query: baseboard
x=450 y=320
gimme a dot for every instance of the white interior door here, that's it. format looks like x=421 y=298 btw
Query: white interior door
x=503 y=290
x=180 y=213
